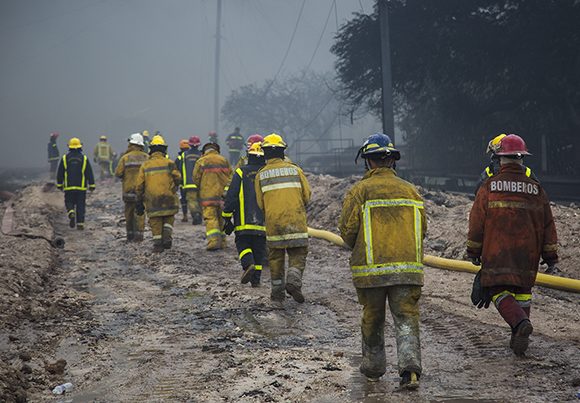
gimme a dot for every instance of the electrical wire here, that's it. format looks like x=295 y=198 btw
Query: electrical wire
x=333 y=4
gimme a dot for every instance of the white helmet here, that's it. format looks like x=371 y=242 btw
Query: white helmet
x=137 y=139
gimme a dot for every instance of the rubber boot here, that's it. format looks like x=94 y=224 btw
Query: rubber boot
x=256 y=278
x=158 y=246
x=213 y=243
x=294 y=284
x=248 y=274
x=72 y=218
x=374 y=362
x=409 y=380
x=130 y=236
x=196 y=218
x=80 y=226
x=223 y=243
x=521 y=337
x=138 y=237
x=167 y=237
x=278 y=294
x=184 y=218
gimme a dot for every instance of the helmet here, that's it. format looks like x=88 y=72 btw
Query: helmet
x=54 y=134
x=74 y=143
x=493 y=144
x=136 y=139
x=378 y=144
x=212 y=134
x=512 y=144
x=273 y=140
x=256 y=149
x=157 y=140
x=145 y=133
x=215 y=146
x=183 y=144
x=253 y=139
x=103 y=138
x=194 y=141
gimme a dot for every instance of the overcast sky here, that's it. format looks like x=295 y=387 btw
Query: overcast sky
x=91 y=67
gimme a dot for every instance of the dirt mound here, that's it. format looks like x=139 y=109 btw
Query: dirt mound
x=447 y=218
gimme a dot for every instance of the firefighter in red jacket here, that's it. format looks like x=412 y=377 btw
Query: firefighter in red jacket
x=510 y=228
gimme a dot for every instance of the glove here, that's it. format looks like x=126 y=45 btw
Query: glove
x=476 y=260
x=228 y=226
x=139 y=208
x=480 y=296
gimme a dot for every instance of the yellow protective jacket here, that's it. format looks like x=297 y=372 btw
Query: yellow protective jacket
x=157 y=185
x=212 y=174
x=128 y=170
x=282 y=193
x=383 y=221
x=103 y=152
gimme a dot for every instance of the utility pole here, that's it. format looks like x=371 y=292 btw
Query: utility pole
x=216 y=93
x=387 y=83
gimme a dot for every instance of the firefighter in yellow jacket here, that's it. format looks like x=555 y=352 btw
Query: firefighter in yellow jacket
x=212 y=174
x=282 y=193
x=383 y=221
x=103 y=155
x=156 y=190
x=128 y=170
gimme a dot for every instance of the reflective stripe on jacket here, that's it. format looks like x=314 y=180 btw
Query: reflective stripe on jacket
x=157 y=185
x=53 y=153
x=383 y=221
x=128 y=170
x=75 y=172
x=510 y=227
x=493 y=169
x=282 y=193
x=103 y=152
x=185 y=163
x=241 y=202
x=211 y=174
x=235 y=142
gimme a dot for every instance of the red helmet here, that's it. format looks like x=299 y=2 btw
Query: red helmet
x=54 y=134
x=512 y=144
x=194 y=141
x=254 y=138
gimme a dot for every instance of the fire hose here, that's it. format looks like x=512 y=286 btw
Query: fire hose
x=546 y=280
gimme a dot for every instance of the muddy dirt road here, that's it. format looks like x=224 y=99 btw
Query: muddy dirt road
x=134 y=326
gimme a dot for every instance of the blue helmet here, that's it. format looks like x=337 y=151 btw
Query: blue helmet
x=378 y=144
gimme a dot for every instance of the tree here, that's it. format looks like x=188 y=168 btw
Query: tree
x=301 y=107
x=464 y=71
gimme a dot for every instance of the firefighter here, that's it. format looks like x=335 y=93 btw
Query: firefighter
x=248 y=219
x=74 y=176
x=145 y=135
x=156 y=191
x=251 y=140
x=213 y=137
x=494 y=166
x=282 y=193
x=103 y=155
x=53 y=154
x=510 y=227
x=128 y=170
x=191 y=191
x=211 y=175
x=183 y=147
x=235 y=142
x=383 y=221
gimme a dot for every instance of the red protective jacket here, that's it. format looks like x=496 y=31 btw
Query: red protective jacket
x=510 y=226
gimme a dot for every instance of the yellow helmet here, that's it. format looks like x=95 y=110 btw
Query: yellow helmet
x=494 y=144
x=157 y=140
x=74 y=143
x=273 y=140
x=256 y=149
x=103 y=138
x=145 y=133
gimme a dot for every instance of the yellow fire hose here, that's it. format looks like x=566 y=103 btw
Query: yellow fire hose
x=546 y=280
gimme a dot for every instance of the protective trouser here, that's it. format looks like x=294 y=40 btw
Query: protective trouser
x=53 y=168
x=134 y=223
x=252 y=250
x=234 y=157
x=162 y=230
x=404 y=305
x=212 y=215
x=296 y=263
x=183 y=201
x=75 y=202
x=512 y=303
x=105 y=169
x=192 y=199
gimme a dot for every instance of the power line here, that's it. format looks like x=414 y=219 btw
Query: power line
x=333 y=4
x=287 y=49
